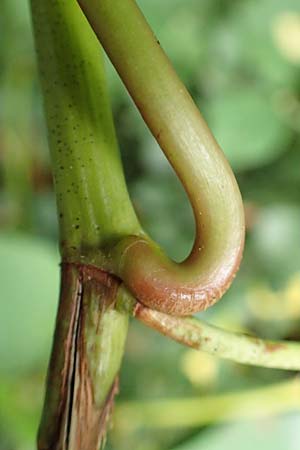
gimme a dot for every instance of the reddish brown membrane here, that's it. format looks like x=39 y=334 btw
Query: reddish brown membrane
x=174 y=288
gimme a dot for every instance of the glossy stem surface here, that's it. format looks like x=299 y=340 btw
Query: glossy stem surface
x=180 y=130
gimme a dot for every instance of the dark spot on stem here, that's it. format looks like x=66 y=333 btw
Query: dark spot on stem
x=273 y=347
x=158 y=134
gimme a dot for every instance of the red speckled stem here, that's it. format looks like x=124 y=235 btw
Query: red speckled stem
x=177 y=125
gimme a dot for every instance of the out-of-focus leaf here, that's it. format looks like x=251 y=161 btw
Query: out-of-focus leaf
x=275 y=239
x=29 y=290
x=247 y=129
x=274 y=433
x=20 y=406
x=253 y=25
x=165 y=213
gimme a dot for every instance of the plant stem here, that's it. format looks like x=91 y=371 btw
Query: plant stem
x=200 y=411
x=93 y=204
x=94 y=210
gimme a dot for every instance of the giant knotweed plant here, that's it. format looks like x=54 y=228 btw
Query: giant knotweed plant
x=111 y=269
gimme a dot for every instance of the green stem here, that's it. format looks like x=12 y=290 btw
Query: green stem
x=177 y=125
x=94 y=210
x=200 y=411
x=92 y=199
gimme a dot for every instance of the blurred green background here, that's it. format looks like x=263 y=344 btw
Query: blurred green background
x=240 y=59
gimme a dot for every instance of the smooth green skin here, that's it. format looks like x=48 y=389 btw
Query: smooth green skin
x=177 y=125
x=106 y=345
x=93 y=204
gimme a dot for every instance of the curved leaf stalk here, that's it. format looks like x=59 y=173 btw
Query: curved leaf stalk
x=178 y=127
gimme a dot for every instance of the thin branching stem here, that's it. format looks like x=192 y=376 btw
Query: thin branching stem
x=198 y=334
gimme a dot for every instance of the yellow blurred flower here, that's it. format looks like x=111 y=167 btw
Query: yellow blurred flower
x=286 y=34
x=292 y=295
x=267 y=304
x=200 y=368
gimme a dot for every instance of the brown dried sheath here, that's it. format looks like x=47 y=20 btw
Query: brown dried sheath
x=71 y=391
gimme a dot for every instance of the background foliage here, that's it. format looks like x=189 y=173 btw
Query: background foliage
x=240 y=60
